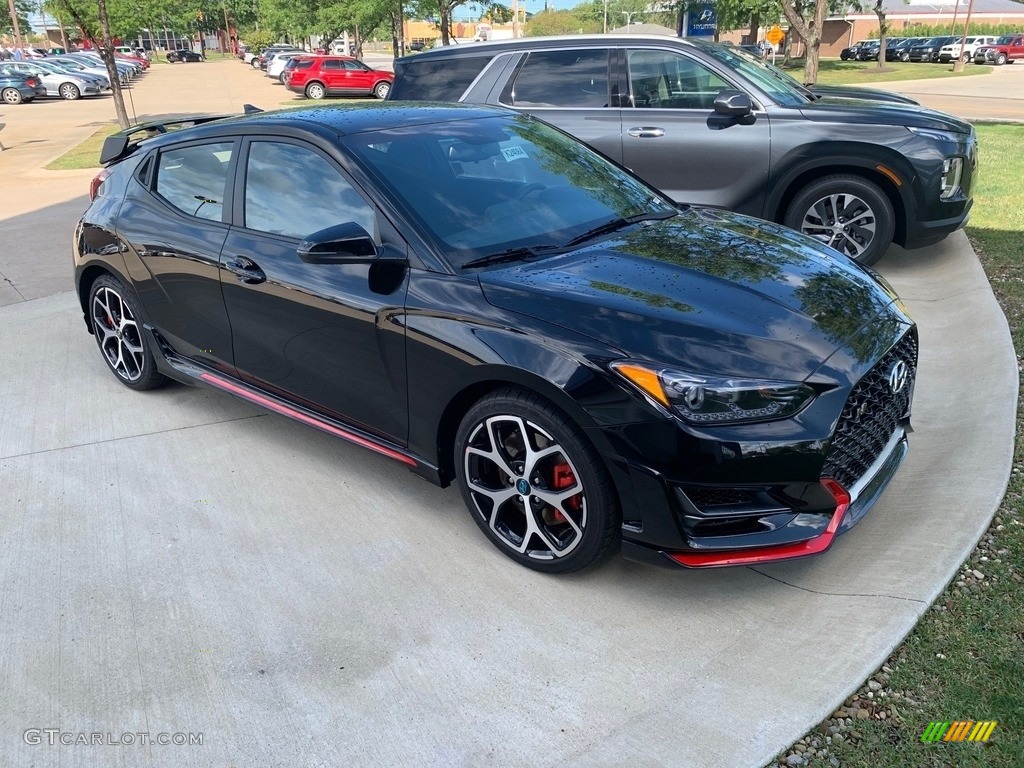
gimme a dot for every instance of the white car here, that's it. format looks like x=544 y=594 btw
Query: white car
x=276 y=63
x=61 y=84
x=950 y=52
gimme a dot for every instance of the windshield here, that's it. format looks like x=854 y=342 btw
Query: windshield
x=779 y=86
x=482 y=187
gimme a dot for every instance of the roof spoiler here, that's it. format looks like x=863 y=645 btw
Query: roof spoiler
x=121 y=144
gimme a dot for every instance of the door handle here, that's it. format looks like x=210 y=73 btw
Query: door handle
x=246 y=270
x=646 y=132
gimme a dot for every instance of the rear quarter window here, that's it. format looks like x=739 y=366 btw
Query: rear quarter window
x=436 y=79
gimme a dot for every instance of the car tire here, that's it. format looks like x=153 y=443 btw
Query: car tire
x=12 y=96
x=904 y=57
x=522 y=498
x=315 y=91
x=255 y=63
x=117 y=325
x=280 y=78
x=69 y=91
x=814 y=212
x=382 y=89
x=1001 y=59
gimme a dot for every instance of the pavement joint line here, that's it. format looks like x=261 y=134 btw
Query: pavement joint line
x=132 y=437
x=10 y=282
x=837 y=594
x=907 y=296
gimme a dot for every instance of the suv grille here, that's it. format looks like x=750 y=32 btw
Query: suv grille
x=870 y=416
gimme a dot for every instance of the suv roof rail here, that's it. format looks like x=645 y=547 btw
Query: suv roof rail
x=120 y=144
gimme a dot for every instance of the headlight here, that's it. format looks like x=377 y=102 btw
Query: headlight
x=710 y=400
x=935 y=133
x=952 y=169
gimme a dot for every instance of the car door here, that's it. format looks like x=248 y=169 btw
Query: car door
x=358 y=77
x=672 y=138
x=173 y=223
x=333 y=74
x=572 y=89
x=328 y=334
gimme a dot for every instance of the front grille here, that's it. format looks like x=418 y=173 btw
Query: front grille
x=870 y=416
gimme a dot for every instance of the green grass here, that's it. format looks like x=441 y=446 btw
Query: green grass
x=965 y=658
x=86 y=154
x=836 y=72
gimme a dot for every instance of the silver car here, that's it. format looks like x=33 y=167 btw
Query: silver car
x=61 y=84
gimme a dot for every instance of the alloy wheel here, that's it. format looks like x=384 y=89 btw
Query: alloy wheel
x=525 y=488
x=12 y=96
x=843 y=221
x=118 y=334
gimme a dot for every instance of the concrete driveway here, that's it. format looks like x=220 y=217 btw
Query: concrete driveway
x=181 y=563
x=997 y=95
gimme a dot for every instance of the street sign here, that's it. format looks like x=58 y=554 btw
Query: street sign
x=775 y=35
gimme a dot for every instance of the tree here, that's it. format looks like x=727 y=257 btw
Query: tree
x=809 y=31
x=22 y=8
x=96 y=29
x=560 y=23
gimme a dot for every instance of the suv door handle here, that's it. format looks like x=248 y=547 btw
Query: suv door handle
x=646 y=132
x=246 y=270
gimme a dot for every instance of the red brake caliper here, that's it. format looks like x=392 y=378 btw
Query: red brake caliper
x=564 y=478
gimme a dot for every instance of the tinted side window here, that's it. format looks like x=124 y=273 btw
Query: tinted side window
x=573 y=78
x=436 y=79
x=193 y=179
x=331 y=64
x=666 y=80
x=293 y=191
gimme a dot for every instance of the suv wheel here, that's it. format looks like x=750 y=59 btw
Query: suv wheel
x=315 y=91
x=381 y=90
x=115 y=323
x=534 y=484
x=849 y=213
x=1001 y=59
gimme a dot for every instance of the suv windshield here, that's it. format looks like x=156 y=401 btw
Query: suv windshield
x=509 y=187
x=783 y=90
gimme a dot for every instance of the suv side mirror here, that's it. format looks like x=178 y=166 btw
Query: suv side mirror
x=346 y=243
x=733 y=104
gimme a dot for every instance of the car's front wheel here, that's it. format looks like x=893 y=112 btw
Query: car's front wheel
x=1001 y=59
x=534 y=484
x=315 y=91
x=117 y=325
x=70 y=91
x=849 y=213
x=381 y=90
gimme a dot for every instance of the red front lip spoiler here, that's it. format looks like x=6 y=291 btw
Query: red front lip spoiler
x=814 y=546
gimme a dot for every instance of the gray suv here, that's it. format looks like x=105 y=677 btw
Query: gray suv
x=708 y=125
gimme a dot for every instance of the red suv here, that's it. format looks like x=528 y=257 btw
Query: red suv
x=318 y=76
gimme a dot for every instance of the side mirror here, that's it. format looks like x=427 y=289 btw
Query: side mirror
x=732 y=103
x=346 y=243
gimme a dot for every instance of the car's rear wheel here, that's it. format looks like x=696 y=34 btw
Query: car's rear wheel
x=315 y=91
x=117 y=325
x=255 y=63
x=534 y=484
x=849 y=213
x=12 y=96
x=70 y=91
x=904 y=57
x=381 y=90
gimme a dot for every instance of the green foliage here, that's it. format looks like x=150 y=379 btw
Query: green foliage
x=257 y=40
x=23 y=9
x=561 y=23
x=944 y=30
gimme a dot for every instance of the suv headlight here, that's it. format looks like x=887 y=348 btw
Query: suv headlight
x=952 y=169
x=710 y=400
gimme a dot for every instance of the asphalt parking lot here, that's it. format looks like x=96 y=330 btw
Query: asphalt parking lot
x=179 y=562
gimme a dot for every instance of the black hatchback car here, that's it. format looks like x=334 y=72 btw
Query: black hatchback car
x=478 y=296
x=707 y=125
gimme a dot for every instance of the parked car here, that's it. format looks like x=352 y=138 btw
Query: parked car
x=707 y=126
x=260 y=61
x=277 y=62
x=952 y=51
x=78 y=68
x=869 y=51
x=184 y=55
x=94 y=64
x=850 y=53
x=320 y=76
x=20 y=88
x=900 y=51
x=929 y=49
x=481 y=298
x=1006 y=50
x=55 y=82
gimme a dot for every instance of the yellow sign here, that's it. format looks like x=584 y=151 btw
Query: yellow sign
x=775 y=35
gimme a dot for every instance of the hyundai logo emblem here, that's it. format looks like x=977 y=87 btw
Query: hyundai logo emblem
x=898 y=376
x=522 y=486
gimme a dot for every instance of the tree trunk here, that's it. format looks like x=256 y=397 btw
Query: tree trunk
x=105 y=48
x=883 y=32
x=809 y=32
x=446 y=22
x=755 y=26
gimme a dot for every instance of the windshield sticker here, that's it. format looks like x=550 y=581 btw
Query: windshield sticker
x=514 y=153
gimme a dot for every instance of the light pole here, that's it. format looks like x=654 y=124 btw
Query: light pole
x=606 y=17
x=629 y=18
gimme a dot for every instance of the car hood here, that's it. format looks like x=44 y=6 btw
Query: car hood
x=862 y=94
x=852 y=111
x=709 y=291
